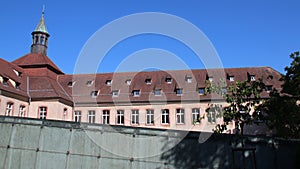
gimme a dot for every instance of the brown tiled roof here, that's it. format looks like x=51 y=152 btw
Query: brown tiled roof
x=7 y=71
x=81 y=92
x=37 y=60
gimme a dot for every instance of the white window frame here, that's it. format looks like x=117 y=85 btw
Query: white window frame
x=120 y=117
x=22 y=111
x=43 y=112
x=128 y=82
x=134 y=116
x=9 y=109
x=150 y=116
x=196 y=115
x=212 y=116
x=77 y=116
x=231 y=78
x=108 y=82
x=169 y=80
x=105 y=116
x=180 y=116
x=189 y=79
x=148 y=81
x=91 y=116
x=165 y=116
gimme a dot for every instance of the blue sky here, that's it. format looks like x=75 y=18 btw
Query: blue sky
x=244 y=33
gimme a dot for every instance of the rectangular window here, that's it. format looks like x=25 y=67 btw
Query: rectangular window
x=128 y=82
x=180 y=116
x=18 y=85
x=105 y=117
x=77 y=116
x=169 y=80
x=189 y=79
x=231 y=78
x=135 y=116
x=108 y=82
x=71 y=84
x=94 y=93
x=120 y=116
x=196 y=115
x=89 y=82
x=9 y=109
x=22 y=111
x=252 y=77
x=179 y=91
x=269 y=88
x=165 y=116
x=115 y=93
x=157 y=92
x=43 y=112
x=91 y=116
x=148 y=81
x=136 y=93
x=5 y=81
x=211 y=116
x=201 y=91
x=149 y=116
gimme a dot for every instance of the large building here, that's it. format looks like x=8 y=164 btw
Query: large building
x=33 y=86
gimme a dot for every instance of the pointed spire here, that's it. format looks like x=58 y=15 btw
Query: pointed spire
x=41 y=27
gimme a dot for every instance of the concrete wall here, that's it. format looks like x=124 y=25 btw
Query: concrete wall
x=36 y=144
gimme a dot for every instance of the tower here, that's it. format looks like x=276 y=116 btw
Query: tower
x=40 y=37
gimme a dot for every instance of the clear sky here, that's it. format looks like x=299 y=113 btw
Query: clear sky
x=244 y=33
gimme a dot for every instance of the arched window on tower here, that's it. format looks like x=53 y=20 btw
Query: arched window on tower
x=36 y=41
x=42 y=40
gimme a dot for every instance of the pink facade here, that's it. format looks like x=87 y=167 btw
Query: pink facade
x=33 y=86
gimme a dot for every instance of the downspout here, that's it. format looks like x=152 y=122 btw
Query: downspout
x=29 y=99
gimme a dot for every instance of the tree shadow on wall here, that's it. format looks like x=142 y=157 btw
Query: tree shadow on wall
x=209 y=151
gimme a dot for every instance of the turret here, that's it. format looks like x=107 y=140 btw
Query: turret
x=40 y=37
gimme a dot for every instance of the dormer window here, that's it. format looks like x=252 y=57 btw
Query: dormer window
x=148 y=81
x=201 y=90
x=269 y=88
x=157 y=92
x=115 y=93
x=252 y=77
x=210 y=78
x=94 y=93
x=17 y=73
x=231 y=78
x=179 y=91
x=89 y=82
x=188 y=79
x=108 y=82
x=5 y=81
x=136 y=93
x=18 y=85
x=169 y=80
x=128 y=82
x=71 y=84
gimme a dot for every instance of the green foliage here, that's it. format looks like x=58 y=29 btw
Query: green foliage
x=282 y=112
x=242 y=99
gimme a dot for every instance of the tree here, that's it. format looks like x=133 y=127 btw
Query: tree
x=282 y=110
x=243 y=98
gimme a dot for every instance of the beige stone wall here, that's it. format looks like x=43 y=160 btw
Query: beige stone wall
x=188 y=124
x=16 y=105
x=55 y=110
